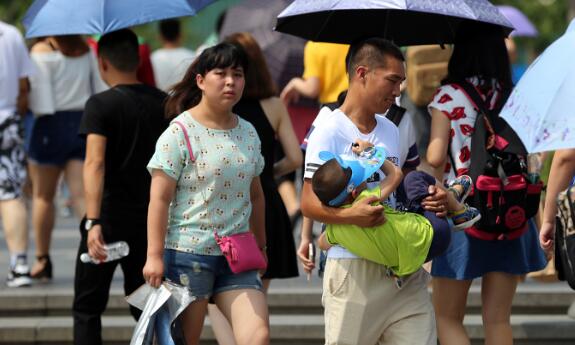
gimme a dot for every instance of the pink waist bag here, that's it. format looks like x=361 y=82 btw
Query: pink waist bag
x=241 y=252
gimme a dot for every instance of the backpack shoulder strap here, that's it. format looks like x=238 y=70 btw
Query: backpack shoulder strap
x=479 y=103
x=474 y=97
x=395 y=114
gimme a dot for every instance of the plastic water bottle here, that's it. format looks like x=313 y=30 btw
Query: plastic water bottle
x=114 y=251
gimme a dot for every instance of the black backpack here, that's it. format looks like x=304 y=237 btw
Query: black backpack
x=501 y=188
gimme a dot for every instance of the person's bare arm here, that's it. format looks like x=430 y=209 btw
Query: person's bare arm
x=436 y=158
x=22 y=100
x=562 y=171
x=361 y=213
x=438 y=143
x=258 y=216
x=297 y=87
x=93 y=174
x=162 y=191
x=393 y=174
x=303 y=249
x=393 y=177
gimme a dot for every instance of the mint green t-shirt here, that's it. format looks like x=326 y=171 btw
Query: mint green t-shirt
x=226 y=161
x=401 y=243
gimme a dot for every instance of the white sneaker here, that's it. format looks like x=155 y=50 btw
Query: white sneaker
x=19 y=276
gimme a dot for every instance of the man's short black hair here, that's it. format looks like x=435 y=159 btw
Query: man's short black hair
x=120 y=48
x=371 y=52
x=170 y=29
x=330 y=180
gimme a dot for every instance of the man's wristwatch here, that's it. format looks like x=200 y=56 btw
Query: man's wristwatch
x=90 y=222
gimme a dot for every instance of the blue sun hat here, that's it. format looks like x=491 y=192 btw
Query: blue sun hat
x=362 y=168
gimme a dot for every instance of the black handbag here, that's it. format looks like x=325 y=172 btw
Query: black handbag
x=565 y=237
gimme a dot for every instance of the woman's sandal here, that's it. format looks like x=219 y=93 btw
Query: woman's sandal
x=45 y=274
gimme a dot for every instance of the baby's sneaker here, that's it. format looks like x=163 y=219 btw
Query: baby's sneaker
x=461 y=187
x=465 y=218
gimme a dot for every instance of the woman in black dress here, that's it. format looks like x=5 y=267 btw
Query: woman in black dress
x=269 y=116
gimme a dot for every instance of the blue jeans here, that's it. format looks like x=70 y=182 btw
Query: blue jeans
x=207 y=275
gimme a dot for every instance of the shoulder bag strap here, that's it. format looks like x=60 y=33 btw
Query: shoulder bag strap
x=193 y=159
x=187 y=139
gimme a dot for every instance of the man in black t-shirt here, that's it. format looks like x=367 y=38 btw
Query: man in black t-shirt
x=121 y=126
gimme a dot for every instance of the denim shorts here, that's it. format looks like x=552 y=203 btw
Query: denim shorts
x=207 y=275
x=55 y=139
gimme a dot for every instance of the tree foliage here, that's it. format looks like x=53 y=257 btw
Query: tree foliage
x=550 y=17
x=12 y=11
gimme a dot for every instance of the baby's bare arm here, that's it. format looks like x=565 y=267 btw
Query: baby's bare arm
x=393 y=174
x=393 y=177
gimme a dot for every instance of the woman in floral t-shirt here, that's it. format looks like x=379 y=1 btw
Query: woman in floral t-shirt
x=480 y=58
x=221 y=190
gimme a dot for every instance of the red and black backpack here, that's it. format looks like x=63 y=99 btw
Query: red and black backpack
x=501 y=189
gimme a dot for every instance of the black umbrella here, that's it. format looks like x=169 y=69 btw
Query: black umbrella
x=284 y=54
x=405 y=22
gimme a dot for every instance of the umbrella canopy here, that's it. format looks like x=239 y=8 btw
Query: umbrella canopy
x=522 y=24
x=67 y=17
x=283 y=53
x=405 y=22
x=540 y=108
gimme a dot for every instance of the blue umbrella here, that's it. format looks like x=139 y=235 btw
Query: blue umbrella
x=67 y=17
x=540 y=108
x=406 y=22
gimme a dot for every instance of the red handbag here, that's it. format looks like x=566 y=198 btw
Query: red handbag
x=240 y=250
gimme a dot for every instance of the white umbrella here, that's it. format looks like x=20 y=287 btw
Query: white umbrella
x=541 y=108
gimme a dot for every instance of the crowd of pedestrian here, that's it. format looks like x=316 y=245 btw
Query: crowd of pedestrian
x=174 y=151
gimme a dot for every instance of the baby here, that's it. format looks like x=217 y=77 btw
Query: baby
x=406 y=240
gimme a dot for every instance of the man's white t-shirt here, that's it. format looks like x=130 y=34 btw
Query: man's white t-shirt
x=336 y=136
x=170 y=65
x=408 y=156
x=14 y=65
x=324 y=113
